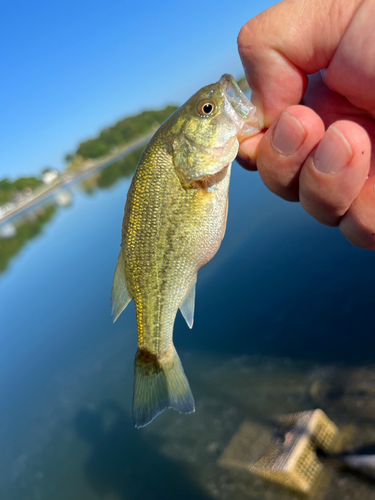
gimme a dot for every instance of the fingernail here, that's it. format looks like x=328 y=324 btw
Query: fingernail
x=288 y=134
x=333 y=152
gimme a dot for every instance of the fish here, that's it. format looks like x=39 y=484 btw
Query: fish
x=174 y=222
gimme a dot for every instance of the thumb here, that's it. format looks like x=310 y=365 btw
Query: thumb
x=283 y=44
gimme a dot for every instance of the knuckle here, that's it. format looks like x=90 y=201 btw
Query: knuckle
x=248 y=33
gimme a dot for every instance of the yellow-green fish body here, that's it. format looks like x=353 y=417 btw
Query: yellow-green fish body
x=174 y=222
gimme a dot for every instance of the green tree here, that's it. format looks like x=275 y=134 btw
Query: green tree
x=9 y=188
x=122 y=133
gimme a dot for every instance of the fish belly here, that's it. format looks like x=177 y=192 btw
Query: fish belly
x=170 y=233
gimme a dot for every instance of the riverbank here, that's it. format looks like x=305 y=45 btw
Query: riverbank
x=70 y=178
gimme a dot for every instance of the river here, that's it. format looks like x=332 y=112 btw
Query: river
x=286 y=306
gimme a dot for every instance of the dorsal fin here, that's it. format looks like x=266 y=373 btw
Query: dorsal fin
x=120 y=297
x=188 y=304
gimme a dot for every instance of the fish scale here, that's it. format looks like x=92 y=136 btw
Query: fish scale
x=174 y=222
x=172 y=246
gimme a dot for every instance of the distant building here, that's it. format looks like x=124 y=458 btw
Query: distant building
x=20 y=196
x=7 y=207
x=49 y=175
x=17 y=197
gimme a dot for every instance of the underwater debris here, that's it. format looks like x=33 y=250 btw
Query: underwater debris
x=289 y=453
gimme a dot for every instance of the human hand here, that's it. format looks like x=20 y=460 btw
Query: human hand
x=320 y=152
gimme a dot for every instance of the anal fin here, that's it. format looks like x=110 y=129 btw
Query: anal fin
x=120 y=296
x=188 y=304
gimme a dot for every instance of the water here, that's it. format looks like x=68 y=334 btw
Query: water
x=283 y=323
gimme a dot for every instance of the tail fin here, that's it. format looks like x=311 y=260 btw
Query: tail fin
x=159 y=384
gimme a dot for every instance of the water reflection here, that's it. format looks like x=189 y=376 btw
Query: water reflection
x=111 y=175
x=63 y=198
x=14 y=235
x=121 y=459
x=284 y=322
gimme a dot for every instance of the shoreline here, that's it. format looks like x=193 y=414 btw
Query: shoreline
x=67 y=179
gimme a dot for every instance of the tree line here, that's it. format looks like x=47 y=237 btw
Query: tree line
x=107 y=141
x=9 y=188
x=120 y=134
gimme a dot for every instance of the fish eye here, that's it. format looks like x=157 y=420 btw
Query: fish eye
x=207 y=107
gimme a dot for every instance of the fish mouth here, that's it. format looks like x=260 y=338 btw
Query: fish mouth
x=239 y=109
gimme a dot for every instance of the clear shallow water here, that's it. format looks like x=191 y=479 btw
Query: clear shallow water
x=285 y=304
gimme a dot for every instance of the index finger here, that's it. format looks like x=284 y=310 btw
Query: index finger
x=283 y=44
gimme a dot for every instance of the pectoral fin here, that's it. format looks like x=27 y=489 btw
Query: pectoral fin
x=120 y=297
x=188 y=304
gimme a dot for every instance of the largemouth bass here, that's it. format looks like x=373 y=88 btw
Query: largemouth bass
x=174 y=222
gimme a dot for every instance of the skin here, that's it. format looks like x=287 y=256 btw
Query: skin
x=321 y=154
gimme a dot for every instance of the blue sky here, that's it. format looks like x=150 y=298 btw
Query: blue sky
x=69 y=68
